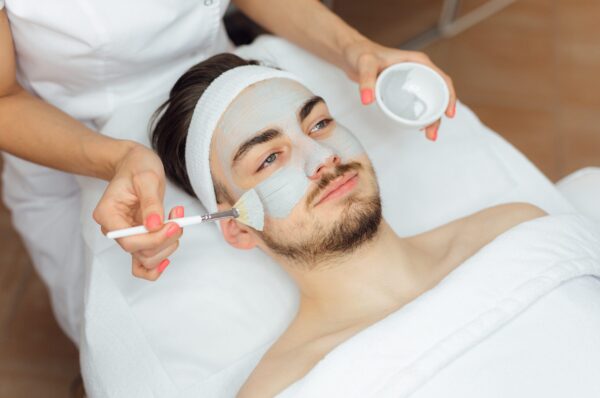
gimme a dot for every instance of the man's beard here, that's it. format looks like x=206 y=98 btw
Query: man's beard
x=358 y=224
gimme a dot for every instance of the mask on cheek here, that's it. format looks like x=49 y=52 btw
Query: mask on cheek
x=283 y=190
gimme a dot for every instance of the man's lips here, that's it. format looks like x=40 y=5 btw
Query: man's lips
x=338 y=187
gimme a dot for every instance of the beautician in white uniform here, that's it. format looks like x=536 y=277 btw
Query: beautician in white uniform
x=67 y=65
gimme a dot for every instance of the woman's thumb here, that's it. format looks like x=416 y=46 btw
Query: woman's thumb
x=367 y=74
x=149 y=189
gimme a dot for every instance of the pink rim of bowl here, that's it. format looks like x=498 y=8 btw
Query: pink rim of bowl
x=440 y=85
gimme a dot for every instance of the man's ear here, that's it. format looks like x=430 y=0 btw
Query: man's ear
x=235 y=233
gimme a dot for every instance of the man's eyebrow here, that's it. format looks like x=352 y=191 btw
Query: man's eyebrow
x=263 y=137
x=308 y=107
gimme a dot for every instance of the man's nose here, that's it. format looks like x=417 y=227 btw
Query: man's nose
x=328 y=163
x=317 y=157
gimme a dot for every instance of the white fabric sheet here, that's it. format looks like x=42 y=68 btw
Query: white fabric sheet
x=215 y=305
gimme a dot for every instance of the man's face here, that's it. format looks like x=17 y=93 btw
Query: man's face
x=315 y=181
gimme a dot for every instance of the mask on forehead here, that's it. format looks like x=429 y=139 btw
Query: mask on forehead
x=275 y=104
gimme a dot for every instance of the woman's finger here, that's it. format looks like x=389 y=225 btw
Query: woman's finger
x=148 y=187
x=112 y=211
x=174 y=233
x=112 y=222
x=176 y=212
x=139 y=271
x=156 y=260
x=368 y=68
x=451 y=108
x=431 y=131
x=169 y=233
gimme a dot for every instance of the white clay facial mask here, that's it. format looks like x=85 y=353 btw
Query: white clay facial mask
x=262 y=144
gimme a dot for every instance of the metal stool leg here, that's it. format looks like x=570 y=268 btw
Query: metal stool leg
x=449 y=25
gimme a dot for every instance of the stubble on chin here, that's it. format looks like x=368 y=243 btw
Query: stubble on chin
x=325 y=244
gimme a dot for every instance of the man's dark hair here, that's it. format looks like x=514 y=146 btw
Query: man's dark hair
x=172 y=119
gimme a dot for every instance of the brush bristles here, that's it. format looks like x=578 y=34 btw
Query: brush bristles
x=251 y=210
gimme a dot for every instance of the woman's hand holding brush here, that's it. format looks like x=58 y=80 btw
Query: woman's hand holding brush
x=134 y=196
x=248 y=210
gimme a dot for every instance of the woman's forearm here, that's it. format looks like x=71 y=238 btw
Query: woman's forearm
x=307 y=23
x=36 y=131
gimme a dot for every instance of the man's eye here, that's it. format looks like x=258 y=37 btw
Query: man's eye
x=268 y=161
x=321 y=125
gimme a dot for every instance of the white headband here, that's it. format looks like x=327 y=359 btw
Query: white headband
x=207 y=113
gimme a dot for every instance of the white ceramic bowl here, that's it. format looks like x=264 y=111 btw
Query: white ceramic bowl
x=412 y=94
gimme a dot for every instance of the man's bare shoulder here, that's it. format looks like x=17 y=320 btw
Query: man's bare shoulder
x=266 y=380
x=484 y=226
x=293 y=355
x=461 y=238
x=279 y=368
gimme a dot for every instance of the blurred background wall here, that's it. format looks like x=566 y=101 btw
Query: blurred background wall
x=530 y=71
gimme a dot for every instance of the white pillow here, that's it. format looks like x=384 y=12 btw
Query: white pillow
x=215 y=304
x=582 y=189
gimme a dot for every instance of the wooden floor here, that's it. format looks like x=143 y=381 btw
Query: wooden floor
x=531 y=72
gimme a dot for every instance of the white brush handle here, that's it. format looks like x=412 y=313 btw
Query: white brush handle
x=182 y=222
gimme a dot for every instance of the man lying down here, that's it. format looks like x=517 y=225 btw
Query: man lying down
x=231 y=125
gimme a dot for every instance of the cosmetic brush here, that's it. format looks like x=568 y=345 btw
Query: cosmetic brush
x=248 y=210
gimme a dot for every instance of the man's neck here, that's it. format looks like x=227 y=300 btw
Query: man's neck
x=372 y=281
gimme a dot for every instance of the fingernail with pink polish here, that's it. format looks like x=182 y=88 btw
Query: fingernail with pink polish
x=366 y=96
x=153 y=221
x=179 y=211
x=172 y=230
x=164 y=263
